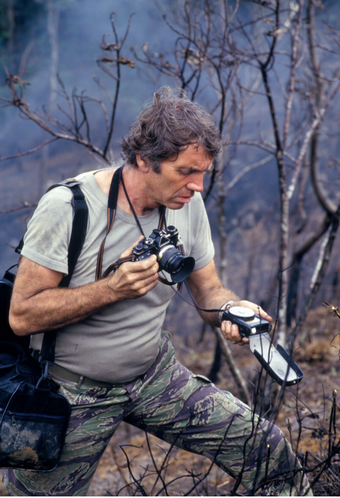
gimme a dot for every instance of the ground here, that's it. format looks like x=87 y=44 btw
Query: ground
x=135 y=464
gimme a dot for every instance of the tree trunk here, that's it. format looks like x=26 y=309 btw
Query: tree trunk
x=52 y=29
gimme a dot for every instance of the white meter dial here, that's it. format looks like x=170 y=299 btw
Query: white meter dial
x=242 y=312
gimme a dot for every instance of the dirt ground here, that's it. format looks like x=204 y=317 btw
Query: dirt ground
x=136 y=464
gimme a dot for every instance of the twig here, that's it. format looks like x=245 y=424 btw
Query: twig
x=120 y=470
x=26 y=205
x=30 y=151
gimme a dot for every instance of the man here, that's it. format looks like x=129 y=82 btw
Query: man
x=113 y=361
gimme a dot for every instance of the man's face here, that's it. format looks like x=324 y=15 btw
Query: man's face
x=180 y=178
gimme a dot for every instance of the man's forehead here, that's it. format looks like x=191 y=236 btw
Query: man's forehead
x=191 y=158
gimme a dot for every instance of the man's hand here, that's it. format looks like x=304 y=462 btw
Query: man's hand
x=231 y=332
x=209 y=293
x=134 y=279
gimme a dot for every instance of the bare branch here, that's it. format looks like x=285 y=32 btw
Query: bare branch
x=326 y=203
x=30 y=151
x=26 y=205
x=320 y=270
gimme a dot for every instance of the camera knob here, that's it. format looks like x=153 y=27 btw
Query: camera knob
x=138 y=249
x=171 y=229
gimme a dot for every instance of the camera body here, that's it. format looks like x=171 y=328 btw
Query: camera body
x=163 y=243
x=247 y=321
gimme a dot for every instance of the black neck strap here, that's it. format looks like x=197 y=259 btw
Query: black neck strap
x=111 y=213
x=114 y=188
x=131 y=207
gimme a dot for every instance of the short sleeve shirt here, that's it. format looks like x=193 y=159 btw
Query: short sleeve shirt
x=120 y=342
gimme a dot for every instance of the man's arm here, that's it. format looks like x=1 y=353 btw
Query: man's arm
x=209 y=293
x=38 y=304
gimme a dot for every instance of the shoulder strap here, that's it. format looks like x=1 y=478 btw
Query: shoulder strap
x=77 y=239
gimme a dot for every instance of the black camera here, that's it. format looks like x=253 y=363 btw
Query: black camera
x=163 y=243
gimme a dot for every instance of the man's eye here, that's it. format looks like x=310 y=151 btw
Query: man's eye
x=188 y=172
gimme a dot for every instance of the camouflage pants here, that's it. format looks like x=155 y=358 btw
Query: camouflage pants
x=179 y=407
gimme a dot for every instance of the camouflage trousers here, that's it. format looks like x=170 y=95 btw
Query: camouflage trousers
x=179 y=407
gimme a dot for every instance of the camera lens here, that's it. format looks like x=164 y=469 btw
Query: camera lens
x=172 y=260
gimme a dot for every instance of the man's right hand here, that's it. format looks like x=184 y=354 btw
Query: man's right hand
x=134 y=279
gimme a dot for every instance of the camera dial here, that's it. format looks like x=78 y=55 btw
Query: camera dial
x=242 y=312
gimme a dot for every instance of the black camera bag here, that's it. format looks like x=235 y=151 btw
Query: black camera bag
x=33 y=415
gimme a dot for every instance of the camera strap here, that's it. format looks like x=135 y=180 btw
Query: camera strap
x=111 y=213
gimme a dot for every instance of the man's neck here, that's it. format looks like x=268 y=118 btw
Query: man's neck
x=136 y=187
x=138 y=192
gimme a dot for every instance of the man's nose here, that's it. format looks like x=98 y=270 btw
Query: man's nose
x=196 y=182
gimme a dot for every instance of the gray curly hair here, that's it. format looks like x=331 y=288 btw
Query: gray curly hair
x=166 y=126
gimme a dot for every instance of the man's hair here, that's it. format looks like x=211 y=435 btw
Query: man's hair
x=166 y=126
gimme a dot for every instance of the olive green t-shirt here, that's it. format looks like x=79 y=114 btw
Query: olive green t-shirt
x=121 y=342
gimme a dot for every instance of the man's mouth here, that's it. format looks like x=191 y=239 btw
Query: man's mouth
x=186 y=198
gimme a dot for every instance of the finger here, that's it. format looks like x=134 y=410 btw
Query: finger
x=264 y=314
x=143 y=276
x=148 y=265
x=257 y=309
x=236 y=336
x=145 y=288
x=232 y=334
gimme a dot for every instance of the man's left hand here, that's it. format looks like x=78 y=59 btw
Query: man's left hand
x=230 y=331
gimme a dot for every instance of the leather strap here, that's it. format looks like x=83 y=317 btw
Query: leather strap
x=111 y=213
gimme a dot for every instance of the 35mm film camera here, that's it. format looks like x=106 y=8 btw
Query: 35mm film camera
x=276 y=361
x=163 y=243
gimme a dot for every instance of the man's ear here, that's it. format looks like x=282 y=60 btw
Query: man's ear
x=142 y=165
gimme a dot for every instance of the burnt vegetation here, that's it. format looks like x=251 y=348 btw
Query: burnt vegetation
x=268 y=72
